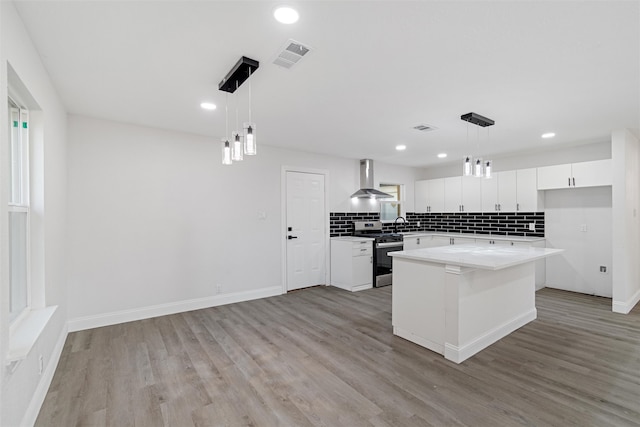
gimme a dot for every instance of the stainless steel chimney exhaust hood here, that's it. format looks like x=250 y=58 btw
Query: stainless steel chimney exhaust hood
x=366 y=183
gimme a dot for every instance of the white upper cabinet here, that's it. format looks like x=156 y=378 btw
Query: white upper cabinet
x=436 y=195
x=511 y=191
x=529 y=199
x=453 y=194
x=592 y=174
x=462 y=194
x=507 y=191
x=421 y=196
x=551 y=177
x=472 y=194
x=429 y=195
x=489 y=188
x=574 y=175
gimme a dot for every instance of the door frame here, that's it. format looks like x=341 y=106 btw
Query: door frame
x=283 y=220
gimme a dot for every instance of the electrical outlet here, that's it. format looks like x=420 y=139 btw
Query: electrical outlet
x=603 y=269
x=418 y=223
x=218 y=288
x=532 y=226
x=40 y=365
x=583 y=227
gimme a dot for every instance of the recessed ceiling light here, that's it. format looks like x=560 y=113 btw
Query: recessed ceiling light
x=208 y=106
x=286 y=15
x=548 y=135
x=442 y=155
x=401 y=147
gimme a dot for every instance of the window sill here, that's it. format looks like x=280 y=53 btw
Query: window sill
x=25 y=334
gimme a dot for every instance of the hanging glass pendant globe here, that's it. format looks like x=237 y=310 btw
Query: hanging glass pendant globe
x=237 y=151
x=226 y=152
x=250 y=147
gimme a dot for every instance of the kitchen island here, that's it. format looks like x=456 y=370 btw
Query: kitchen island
x=457 y=300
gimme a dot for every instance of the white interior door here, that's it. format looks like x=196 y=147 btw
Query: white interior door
x=306 y=232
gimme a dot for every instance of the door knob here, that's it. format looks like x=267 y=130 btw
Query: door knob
x=292 y=237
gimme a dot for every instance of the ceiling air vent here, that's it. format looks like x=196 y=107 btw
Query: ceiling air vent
x=425 y=128
x=291 y=53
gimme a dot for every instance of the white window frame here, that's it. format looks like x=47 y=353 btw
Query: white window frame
x=399 y=201
x=19 y=197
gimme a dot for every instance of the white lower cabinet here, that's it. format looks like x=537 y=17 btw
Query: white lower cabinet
x=416 y=242
x=352 y=263
x=444 y=241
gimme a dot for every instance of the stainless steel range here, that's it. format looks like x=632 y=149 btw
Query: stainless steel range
x=383 y=244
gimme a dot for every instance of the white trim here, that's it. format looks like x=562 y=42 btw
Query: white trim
x=24 y=334
x=460 y=354
x=625 y=307
x=40 y=393
x=416 y=339
x=113 y=318
x=283 y=219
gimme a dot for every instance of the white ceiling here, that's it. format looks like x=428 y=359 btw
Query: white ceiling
x=377 y=69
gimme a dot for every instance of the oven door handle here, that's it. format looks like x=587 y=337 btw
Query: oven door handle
x=389 y=245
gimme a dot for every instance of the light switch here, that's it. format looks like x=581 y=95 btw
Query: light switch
x=583 y=227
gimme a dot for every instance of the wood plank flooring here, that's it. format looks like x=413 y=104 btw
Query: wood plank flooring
x=327 y=357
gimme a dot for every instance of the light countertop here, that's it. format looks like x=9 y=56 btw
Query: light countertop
x=473 y=236
x=353 y=238
x=478 y=256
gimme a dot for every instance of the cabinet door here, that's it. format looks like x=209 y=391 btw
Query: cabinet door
x=453 y=194
x=421 y=196
x=436 y=195
x=552 y=177
x=527 y=191
x=462 y=240
x=507 y=191
x=362 y=270
x=440 y=241
x=489 y=194
x=410 y=243
x=472 y=194
x=591 y=174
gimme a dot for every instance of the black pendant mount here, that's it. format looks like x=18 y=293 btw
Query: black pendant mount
x=240 y=72
x=477 y=119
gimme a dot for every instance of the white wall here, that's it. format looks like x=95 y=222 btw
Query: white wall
x=156 y=220
x=567 y=213
x=24 y=389
x=550 y=156
x=625 y=150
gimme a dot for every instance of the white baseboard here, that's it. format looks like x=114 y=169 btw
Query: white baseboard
x=626 y=306
x=460 y=354
x=113 y=318
x=40 y=393
x=410 y=336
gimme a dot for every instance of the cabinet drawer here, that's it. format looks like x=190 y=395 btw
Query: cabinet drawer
x=363 y=250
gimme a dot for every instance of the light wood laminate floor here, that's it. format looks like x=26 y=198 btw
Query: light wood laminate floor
x=327 y=357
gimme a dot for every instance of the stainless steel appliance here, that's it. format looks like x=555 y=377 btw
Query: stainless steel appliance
x=383 y=244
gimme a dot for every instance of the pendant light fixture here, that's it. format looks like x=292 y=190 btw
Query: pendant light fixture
x=467 y=163
x=226 y=146
x=480 y=168
x=250 y=148
x=487 y=169
x=235 y=150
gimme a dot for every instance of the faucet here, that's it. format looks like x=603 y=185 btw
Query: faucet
x=395 y=223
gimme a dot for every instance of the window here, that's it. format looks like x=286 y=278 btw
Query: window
x=390 y=209
x=19 y=298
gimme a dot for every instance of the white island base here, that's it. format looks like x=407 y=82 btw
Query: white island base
x=457 y=301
